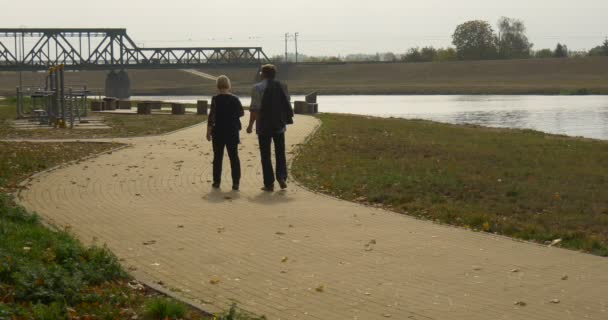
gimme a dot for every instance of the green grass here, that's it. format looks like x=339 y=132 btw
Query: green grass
x=518 y=183
x=121 y=125
x=162 y=308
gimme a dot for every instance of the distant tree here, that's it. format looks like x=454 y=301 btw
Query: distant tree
x=475 y=40
x=448 y=54
x=278 y=58
x=512 y=40
x=389 y=57
x=543 y=54
x=428 y=54
x=561 y=51
x=359 y=57
x=600 y=50
x=413 y=55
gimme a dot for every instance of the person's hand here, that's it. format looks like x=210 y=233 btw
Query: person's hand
x=209 y=136
x=249 y=129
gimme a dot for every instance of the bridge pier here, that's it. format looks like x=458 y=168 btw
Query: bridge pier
x=118 y=85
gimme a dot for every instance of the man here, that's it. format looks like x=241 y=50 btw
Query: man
x=271 y=112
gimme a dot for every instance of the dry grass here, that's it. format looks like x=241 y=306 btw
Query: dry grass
x=531 y=76
x=127 y=125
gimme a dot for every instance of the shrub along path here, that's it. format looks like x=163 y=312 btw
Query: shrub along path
x=297 y=254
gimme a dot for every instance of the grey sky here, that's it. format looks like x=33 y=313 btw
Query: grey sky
x=327 y=27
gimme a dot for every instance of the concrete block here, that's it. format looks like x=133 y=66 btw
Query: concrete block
x=201 y=107
x=303 y=107
x=178 y=108
x=96 y=106
x=144 y=108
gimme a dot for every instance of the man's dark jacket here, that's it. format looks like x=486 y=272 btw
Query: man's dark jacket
x=276 y=111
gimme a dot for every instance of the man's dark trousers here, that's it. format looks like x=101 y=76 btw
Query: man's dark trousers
x=265 y=154
x=218 y=157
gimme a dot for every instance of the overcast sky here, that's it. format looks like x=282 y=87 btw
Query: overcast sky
x=326 y=27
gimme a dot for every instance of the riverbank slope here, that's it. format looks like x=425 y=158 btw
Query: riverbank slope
x=530 y=76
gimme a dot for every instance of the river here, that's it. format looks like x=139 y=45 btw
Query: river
x=580 y=116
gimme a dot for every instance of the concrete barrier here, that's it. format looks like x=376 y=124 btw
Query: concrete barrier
x=144 y=108
x=201 y=107
x=178 y=108
x=109 y=104
x=96 y=106
x=303 y=107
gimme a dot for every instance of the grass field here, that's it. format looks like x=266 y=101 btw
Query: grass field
x=530 y=76
x=121 y=125
x=519 y=183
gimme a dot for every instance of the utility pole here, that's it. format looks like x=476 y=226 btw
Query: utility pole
x=296 y=39
x=286 y=38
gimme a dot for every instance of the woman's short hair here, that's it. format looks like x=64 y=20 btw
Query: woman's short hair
x=223 y=83
x=269 y=71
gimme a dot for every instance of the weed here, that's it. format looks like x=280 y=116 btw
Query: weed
x=162 y=308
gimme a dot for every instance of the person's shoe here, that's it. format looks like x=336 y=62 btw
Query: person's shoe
x=268 y=188
x=215 y=185
x=282 y=183
x=235 y=187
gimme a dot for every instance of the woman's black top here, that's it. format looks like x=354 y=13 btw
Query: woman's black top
x=224 y=118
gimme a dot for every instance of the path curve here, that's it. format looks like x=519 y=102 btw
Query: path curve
x=299 y=255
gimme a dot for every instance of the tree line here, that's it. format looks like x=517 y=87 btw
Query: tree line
x=472 y=40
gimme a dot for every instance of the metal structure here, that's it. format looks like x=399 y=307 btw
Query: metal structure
x=107 y=49
x=53 y=105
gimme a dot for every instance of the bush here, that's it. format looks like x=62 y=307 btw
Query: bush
x=163 y=308
x=54 y=311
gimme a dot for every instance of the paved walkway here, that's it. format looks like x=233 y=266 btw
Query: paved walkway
x=299 y=255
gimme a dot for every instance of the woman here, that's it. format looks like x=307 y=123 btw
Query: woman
x=223 y=128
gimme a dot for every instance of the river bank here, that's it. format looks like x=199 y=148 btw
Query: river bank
x=519 y=183
x=529 y=76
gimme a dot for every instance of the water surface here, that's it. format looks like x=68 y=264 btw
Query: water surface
x=585 y=116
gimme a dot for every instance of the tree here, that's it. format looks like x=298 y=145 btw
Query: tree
x=561 y=51
x=544 y=53
x=448 y=54
x=512 y=40
x=475 y=40
x=413 y=55
x=428 y=54
x=389 y=57
x=600 y=50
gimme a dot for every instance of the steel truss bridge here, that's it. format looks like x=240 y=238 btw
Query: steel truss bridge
x=108 y=49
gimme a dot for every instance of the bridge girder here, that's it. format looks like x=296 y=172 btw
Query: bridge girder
x=111 y=49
